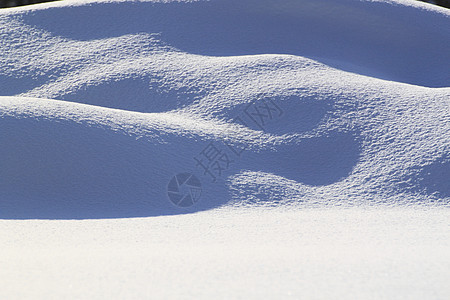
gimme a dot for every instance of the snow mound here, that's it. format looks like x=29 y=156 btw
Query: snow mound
x=142 y=108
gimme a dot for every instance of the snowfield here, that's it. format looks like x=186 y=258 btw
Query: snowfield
x=226 y=149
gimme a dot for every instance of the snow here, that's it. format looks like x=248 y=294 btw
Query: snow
x=332 y=119
x=254 y=254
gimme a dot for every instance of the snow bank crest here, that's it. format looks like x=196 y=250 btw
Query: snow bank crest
x=141 y=108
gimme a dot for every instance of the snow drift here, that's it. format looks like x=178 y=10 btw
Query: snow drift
x=301 y=103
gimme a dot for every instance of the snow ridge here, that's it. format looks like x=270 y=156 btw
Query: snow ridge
x=311 y=103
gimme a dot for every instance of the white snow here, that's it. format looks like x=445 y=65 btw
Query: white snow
x=251 y=254
x=332 y=118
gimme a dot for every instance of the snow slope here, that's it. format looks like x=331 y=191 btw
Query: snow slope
x=164 y=79
x=107 y=109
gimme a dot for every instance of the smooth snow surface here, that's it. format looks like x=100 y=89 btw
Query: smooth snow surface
x=233 y=254
x=180 y=112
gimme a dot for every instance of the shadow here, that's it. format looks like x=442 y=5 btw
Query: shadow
x=313 y=161
x=66 y=169
x=432 y=179
x=374 y=39
x=10 y=86
x=435 y=178
x=132 y=94
x=60 y=169
x=279 y=115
